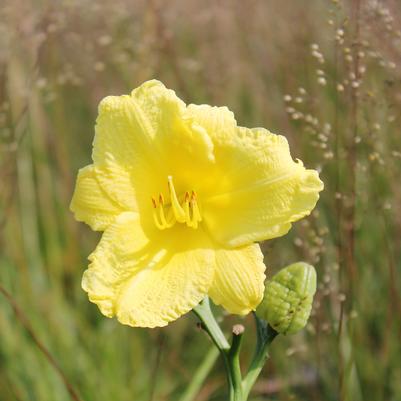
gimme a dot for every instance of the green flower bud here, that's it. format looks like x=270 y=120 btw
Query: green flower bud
x=287 y=302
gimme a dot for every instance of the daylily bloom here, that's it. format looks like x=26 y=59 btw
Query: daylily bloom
x=183 y=194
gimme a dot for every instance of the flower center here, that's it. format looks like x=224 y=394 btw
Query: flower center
x=183 y=209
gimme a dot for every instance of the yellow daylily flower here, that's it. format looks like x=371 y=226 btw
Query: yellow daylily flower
x=183 y=194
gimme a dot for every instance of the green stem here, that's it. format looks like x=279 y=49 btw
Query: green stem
x=265 y=335
x=234 y=362
x=209 y=323
x=205 y=314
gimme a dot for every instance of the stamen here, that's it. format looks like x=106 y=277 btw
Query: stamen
x=165 y=215
x=159 y=215
x=162 y=216
x=156 y=220
x=166 y=223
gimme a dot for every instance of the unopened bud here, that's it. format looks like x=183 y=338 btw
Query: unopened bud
x=287 y=302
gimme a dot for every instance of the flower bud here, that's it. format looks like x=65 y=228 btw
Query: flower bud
x=287 y=302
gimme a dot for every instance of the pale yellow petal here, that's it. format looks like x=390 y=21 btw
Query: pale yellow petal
x=184 y=148
x=91 y=203
x=118 y=183
x=148 y=281
x=159 y=295
x=219 y=122
x=149 y=135
x=123 y=131
x=238 y=284
x=149 y=127
x=128 y=131
x=115 y=260
x=261 y=190
x=172 y=130
x=264 y=210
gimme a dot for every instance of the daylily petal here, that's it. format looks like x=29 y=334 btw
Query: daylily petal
x=238 y=284
x=179 y=142
x=263 y=210
x=148 y=125
x=124 y=131
x=148 y=282
x=262 y=190
x=173 y=133
x=91 y=203
x=116 y=259
x=117 y=182
x=149 y=135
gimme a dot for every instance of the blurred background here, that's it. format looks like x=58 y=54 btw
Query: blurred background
x=324 y=73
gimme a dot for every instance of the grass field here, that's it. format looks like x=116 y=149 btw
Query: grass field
x=327 y=74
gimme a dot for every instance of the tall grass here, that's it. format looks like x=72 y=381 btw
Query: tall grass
x=324 y=73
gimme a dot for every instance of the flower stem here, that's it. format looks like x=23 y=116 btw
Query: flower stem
x=210 y=325
x=265 y=335
x=234 y=362
x=205 y=314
